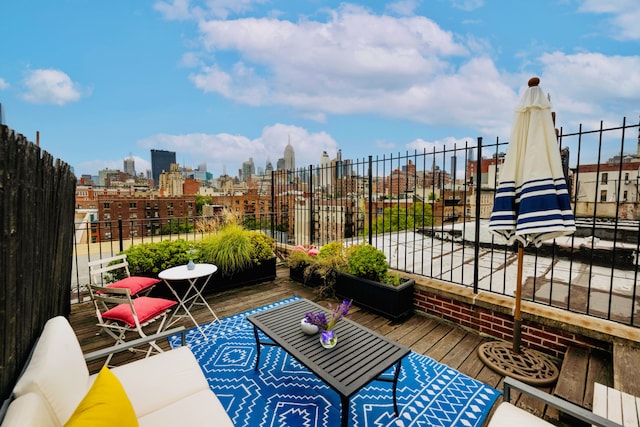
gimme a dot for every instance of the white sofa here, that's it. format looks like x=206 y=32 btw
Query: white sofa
x=166 y=389
x=508 y=415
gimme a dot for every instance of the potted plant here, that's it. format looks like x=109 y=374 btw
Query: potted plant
x=242 y=256
x=149 y=259
x=317 y=268
x=368 y=282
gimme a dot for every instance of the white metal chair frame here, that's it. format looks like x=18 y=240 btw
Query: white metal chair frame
x=105 y=298
x=98 y=268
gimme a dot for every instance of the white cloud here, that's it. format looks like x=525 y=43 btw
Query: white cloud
x=49 y=86
x=352 y=61
x=222 y=151
x=402 y=7
x=187 y=9
x=588 y=85
x=625 y=15
x=467 y=5
x=3 y=84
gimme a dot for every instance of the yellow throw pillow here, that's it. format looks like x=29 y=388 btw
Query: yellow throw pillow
x=105 y=404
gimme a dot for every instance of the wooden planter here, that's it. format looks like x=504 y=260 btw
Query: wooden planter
x=392 y=302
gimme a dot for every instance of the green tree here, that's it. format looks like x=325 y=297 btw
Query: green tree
x=177 y=226
x=398 y=218
x=200 y=202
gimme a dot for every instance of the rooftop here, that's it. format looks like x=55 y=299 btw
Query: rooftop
x=444 y=342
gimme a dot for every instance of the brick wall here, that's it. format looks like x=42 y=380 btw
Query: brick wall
x=552 y=340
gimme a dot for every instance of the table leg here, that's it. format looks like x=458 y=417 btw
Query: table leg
x=181 y=304
x=395 y=385
x=344 y=419
x=255 y=333
x=198 y=296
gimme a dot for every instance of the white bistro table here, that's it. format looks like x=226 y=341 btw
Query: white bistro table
x=193 y=294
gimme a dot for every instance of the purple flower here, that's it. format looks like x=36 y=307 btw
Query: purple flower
x=327 y=336
x=321 y=320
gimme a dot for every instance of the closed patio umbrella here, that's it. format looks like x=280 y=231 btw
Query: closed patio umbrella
x=532 y=203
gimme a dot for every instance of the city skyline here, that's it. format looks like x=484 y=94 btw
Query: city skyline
x=219 y=82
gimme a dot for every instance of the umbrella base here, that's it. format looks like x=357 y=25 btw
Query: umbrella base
x=528 y=366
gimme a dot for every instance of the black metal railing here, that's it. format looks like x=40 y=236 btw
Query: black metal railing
x=428 y=211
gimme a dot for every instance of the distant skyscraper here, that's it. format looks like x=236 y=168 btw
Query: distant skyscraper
x=454 y=165
x=280 y=164
x=161 y=160
x=2 y=122
x=325 y=170
x=130 y=166
x=248 y=169
x=269 y=168
x=289 y=157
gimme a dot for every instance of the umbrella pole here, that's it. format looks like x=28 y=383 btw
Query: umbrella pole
x=517 y=319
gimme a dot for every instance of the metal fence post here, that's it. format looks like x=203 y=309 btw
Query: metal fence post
x=370 y=208
x=476 y=253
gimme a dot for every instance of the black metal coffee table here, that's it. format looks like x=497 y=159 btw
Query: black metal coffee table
x=360 y=356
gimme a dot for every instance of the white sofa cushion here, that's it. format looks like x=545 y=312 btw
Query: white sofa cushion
x=160 y=380
x=57 y=370
x=30 y=409
x=508 y=415
x=202 y=409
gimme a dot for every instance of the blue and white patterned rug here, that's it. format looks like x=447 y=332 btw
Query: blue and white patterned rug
x=284 y=393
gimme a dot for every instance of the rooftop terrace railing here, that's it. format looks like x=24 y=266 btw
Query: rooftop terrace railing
x=428 y=211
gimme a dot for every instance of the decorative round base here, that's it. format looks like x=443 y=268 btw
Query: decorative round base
x=528 y=366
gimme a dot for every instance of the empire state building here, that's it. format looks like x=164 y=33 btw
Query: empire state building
x=289 y=158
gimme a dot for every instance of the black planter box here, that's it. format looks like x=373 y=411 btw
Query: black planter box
x=313 y=281
x=392 y=302
x=255 y=274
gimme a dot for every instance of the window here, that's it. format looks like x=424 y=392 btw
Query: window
x=133 y=205
x=625 y=195
x=106 y=205
x=603 y=195
x=133 y=215
x=170 y=212
x=626 y=177
x=106 y=215
x=605 y=178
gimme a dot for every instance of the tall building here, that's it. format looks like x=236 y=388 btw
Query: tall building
x=269 y=168
x=130 y=166
x=248 y=169
x=2 y=122
x=289 y=157
x=161 y=161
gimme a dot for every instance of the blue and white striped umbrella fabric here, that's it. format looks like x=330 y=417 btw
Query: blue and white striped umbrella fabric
x=532 y=203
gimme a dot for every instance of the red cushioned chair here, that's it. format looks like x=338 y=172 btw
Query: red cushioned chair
x=117 y=271
x=119 y=314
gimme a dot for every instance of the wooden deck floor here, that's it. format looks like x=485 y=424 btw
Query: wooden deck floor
x=446 y=343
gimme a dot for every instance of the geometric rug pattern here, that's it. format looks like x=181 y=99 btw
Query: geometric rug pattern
x=283 y=393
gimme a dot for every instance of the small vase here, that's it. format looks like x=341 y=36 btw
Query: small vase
x=190 y=265
x=328 y=339
x=308 y=328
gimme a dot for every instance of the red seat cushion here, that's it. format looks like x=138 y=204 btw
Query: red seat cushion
x=135 y=283
x=146 y=307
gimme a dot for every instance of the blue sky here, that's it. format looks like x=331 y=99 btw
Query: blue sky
x=220 y=81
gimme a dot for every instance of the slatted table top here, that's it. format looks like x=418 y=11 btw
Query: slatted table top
x=360 y=356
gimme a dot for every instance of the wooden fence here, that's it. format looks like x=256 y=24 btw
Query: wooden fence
x=37 y=198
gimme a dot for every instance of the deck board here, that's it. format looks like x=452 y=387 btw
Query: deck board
x=444 y=342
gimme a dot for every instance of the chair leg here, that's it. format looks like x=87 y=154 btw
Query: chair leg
x=152 y=344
